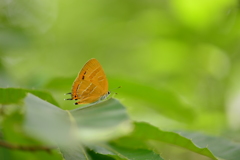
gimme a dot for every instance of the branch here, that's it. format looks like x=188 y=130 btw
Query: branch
x=25 y=148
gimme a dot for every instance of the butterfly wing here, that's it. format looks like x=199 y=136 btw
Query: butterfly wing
x=90 y=84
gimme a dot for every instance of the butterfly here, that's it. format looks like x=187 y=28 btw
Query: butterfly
x=91 y=84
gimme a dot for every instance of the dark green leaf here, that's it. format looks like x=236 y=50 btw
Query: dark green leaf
x=15 y=95
x=97 y=156
x=122 y=153
x=144 y=132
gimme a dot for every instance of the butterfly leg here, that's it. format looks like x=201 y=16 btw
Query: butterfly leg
x=68 y=99
x=79 y=102
x=68 y=93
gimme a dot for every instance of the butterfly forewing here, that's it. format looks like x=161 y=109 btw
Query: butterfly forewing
x=91 y=83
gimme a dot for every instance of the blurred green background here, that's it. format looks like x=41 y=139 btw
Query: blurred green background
x=178 y=61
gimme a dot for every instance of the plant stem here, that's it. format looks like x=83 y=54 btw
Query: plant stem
x=25 y=148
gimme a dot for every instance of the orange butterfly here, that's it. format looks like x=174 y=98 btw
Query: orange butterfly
x=91 y=84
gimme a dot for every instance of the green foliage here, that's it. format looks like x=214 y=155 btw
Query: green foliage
x=139 y=138
x=121 y=153
x=107 y=120
x=177 y=62
x=104 y=128
x=162 y=100
x=15 y=95
x=219 y=146
x=74 y=152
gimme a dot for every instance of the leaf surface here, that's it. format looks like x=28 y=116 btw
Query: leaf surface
x=144 y=132
x=98 y=122
x=15 y=95
x=220 y=147
x=122 y=153
x=76 y=152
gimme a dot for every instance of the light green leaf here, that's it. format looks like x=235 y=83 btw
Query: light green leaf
x=76 y=152
x=144 y=132
x=220 y=147
x=99 y=122
x=46 y=121
x=102 y=121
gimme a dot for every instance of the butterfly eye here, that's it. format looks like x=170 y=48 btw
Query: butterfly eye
x=109 y=92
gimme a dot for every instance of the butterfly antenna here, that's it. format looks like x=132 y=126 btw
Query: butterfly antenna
x=115 y=93
x=116 y=88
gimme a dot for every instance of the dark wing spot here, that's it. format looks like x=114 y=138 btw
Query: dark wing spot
x=83 y=75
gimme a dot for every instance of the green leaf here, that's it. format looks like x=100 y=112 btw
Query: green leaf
x=161 y=99
x=46 y=121
x=97 y=156
x=144 y=132
x=15 y=95
x=74 y=153
x=11 y=129
x=5 y=154
x=220 y=147
x=122 y=153
x=102 y=121
x=95 y=122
